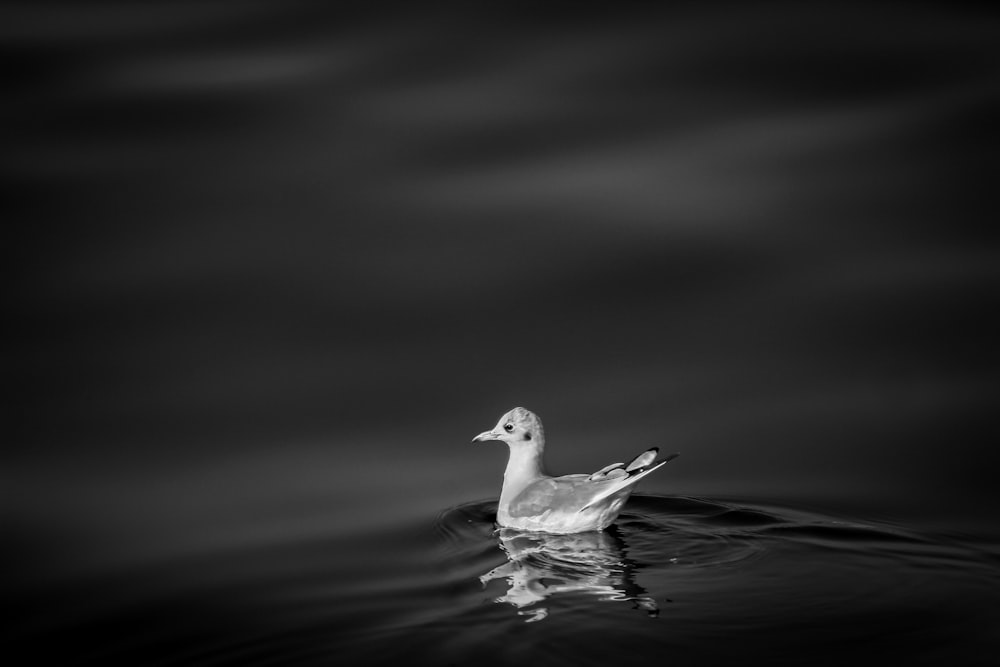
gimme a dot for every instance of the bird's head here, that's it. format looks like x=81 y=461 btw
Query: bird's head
x=519 y=426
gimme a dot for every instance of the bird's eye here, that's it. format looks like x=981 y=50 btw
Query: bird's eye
x=508 y=427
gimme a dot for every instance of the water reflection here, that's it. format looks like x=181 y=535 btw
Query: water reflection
x=541 y=566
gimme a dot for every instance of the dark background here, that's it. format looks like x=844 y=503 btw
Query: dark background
x=277 y=255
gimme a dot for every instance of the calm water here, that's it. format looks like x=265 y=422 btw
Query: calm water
x=695 y=580
x=274 y=263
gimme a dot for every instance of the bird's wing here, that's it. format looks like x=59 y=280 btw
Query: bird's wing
x=619 y=478
x=558 y=494
x=620 y=470
x=643 y=460
x=575 y=493
x=600 y=474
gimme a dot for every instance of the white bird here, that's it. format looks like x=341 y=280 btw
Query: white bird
x=533 y=500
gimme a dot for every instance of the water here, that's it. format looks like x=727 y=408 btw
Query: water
x=694 y=580
x=272 y=264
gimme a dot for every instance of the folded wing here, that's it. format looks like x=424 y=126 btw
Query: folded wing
x=574 y=493
x=616 y=477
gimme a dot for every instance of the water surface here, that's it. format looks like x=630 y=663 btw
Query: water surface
x=274 y=263
x=694 y=580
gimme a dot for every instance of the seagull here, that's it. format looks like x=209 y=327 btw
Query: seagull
x=532 y=500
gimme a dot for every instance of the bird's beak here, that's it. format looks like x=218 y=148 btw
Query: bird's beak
x=486 y=436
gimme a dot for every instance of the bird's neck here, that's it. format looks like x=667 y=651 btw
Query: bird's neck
x=523 y=467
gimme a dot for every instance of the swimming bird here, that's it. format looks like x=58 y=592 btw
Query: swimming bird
x=535 y=501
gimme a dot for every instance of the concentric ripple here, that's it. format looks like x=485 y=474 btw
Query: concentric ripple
x=699 y=581
x=732 y=569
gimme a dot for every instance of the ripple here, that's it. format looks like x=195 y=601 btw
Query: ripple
x=662 y=549
x=706 y=580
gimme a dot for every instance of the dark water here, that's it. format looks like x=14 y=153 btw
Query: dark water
x=695 y=580
x=272 y=264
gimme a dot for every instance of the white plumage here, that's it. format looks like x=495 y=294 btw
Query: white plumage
x=533 y=500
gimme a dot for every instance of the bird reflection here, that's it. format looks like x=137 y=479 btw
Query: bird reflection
x=543 y=565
